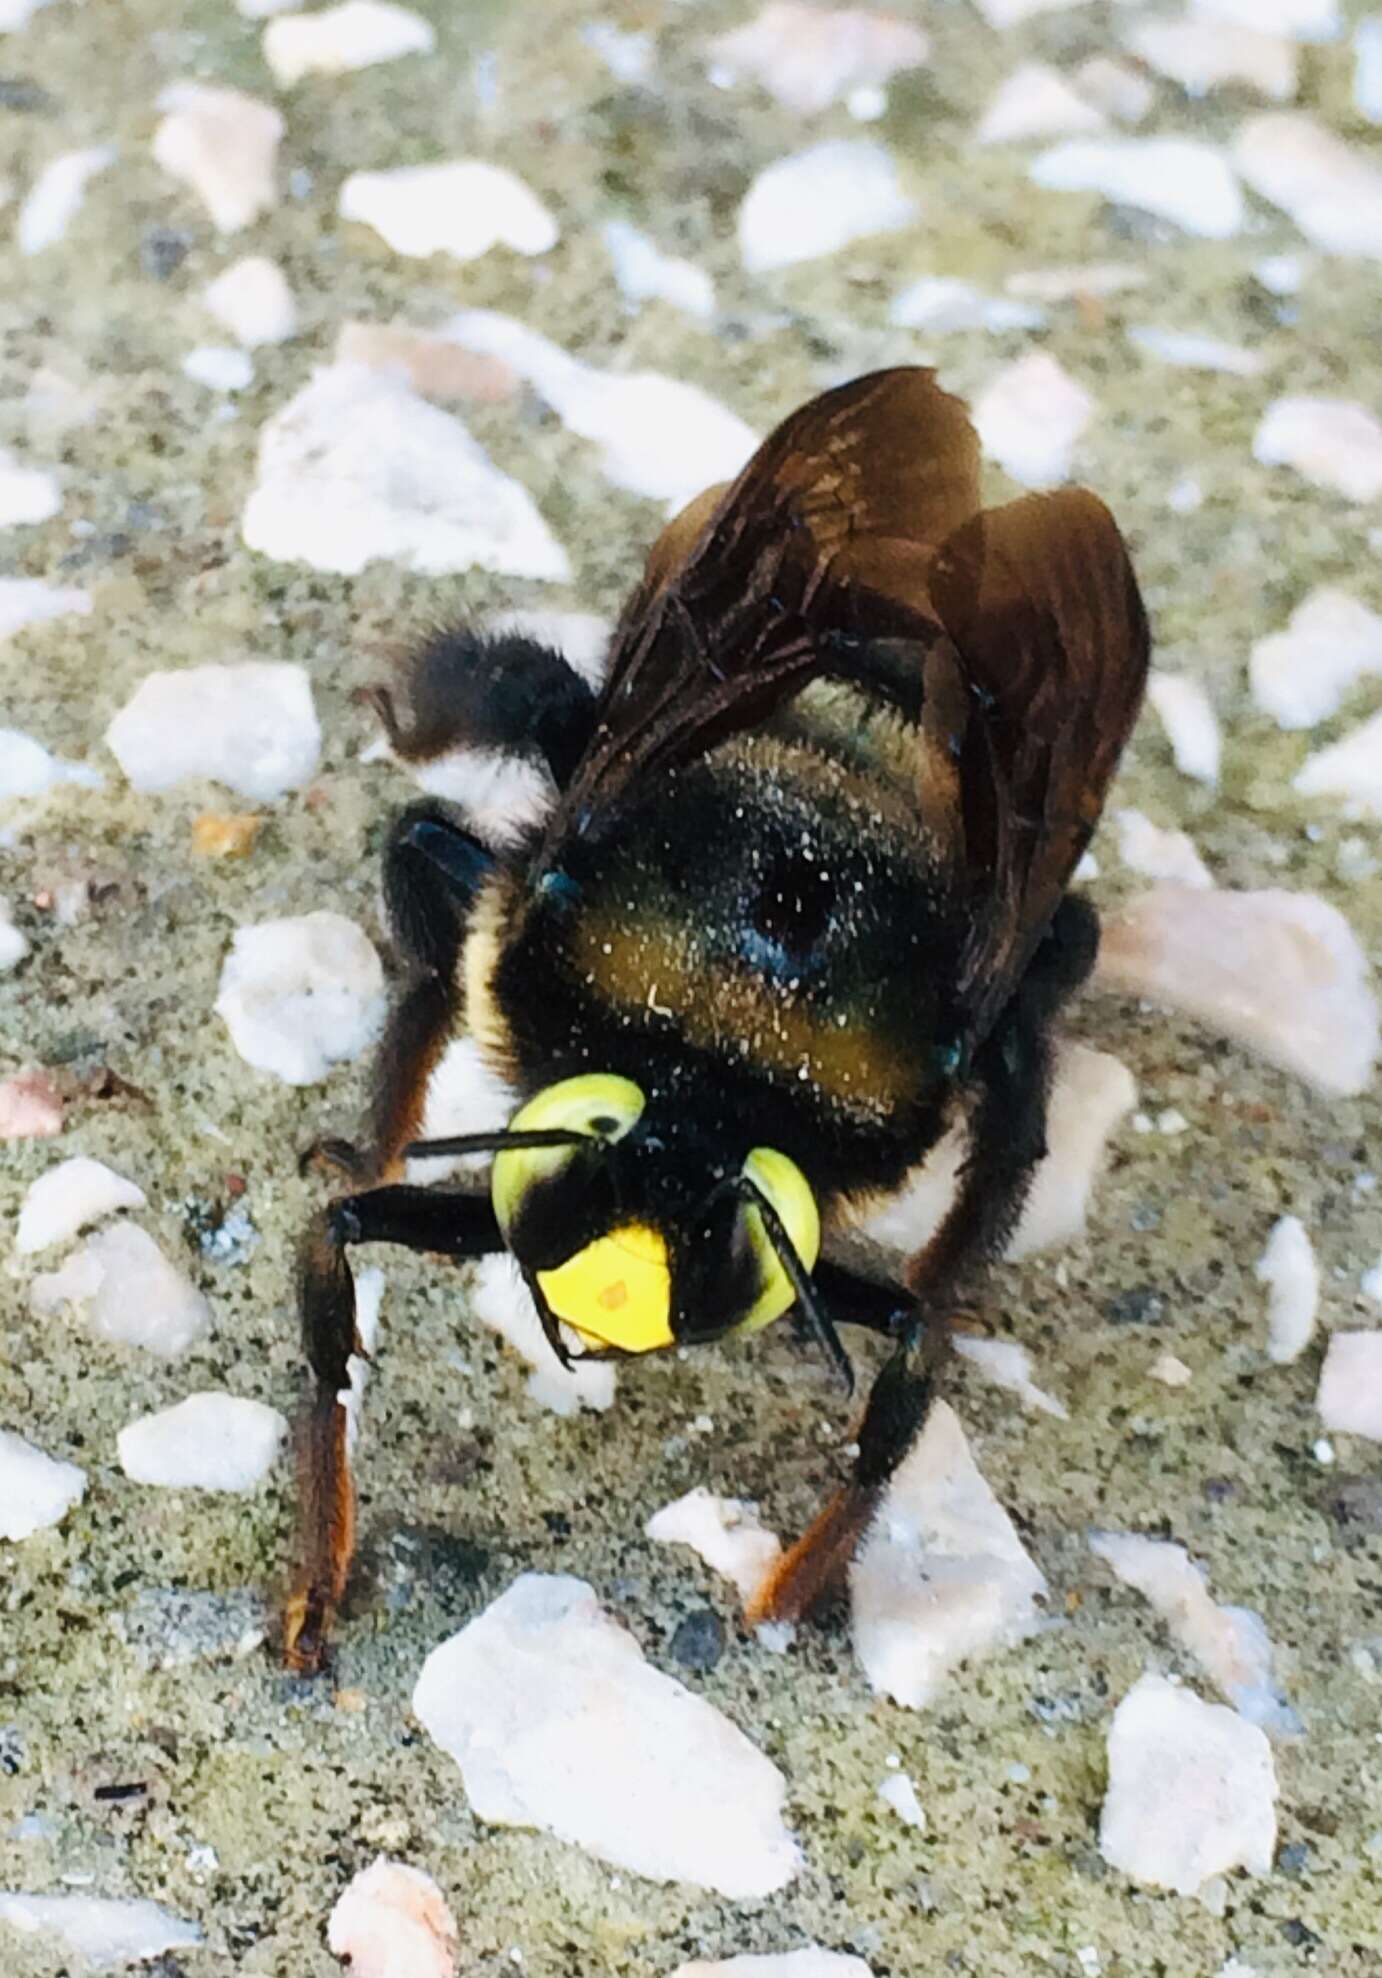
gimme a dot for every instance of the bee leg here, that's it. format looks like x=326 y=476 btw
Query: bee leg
x=451 y=1224
x=499 y=692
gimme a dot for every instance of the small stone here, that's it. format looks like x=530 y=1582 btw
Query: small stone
x=99 y=1928
x=463 y=208
x=128 y=1293
x=1350 y=770
x=251 y=298
x=1304 y=674
x=219 y=367
x=336 y=40
x=1119 y=91
x=1303 y=20
x=1170 y=1371
x=723 y=1531
x=627 y=54
x=1180 y=179
x=1334 y=442
x=68 y=1197
x=1367 y=72
x=809 y=57
x=1350 y=1393
x=898 y=1792
x=644 y=272
x=1192 y=727
x=251 y=726
x=26 y=767
x=1288 y=1269
x=1037 y=101
x=162 y=251
x=1191 y=352
x=1281 y=973
x=942 y=1577
x=301 y=994
x=30 y=1107
x=1091 y=283
x=393 y=1922
x=1008 y=1365
x=558 y=1722
x=27 y=494
x=819 y=201
x=500 y=1300
x=218 y=836
x=940 y=305
x=224 y=145
x=698 y=1640
x=210 y=1441
x=13 y=945
x=357 y=467
x=1230 y=1644
x=658 y=436
x=434 y=365
x=1191 y=1790
x=172 y=1628
x=1010 y=13
x=1157 y=854
x=1029 y=418
x=1282 y=274
x=1332 y=191
x=808 y=1962
x=35 y=1490
x=1203 y=54
x=56 y=197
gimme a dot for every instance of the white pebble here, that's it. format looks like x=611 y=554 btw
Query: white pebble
x=224 y=145
x=898 y=1792
x=357 y=467
x=1185 y=496
x=301 y=994
x=627 y=54
x=1304 y=674
x=1230 y=1644
x=1350 y=1392
x=29 y=601
x=1157 y=854
x=557 y=1721
x=252 y=299
x=219 y=367
x=67 y=1198
x=723 y=1531
x=27 y=494
x=1367 y=71
x=127 y=1292
x=1335 y=443
x=392 y=1921
x=56 y=196
x=809 y=57
x=1350 y=770
x=1097 y=279
x=99 y=1928
x=810 y=1961
x=1288 y=1269
x=658 y=436
x=1030 y=417
x=1008 y=1365
x=942 y=1577
x=1332 y=191
x=336 y=40
x=1170 y=1371
x=1205 y=54
x=1191 y=1790
x=644 y=272
x=1180 y=179
x=15 y=14
x=1009 y=13
x=1370 y=1284
x=500 y=1300
x=942 y=304
x=1036 y=101
x=1282 y=274
x=36 y=1491
x=1191 y=352
x=1281 y=973
x=1192 y=727
x=819 y=201
x=13 y=945
x=251 y=726
x=462 y=208
x=210 y=1441
x=1119 y=91
x=1303 y=20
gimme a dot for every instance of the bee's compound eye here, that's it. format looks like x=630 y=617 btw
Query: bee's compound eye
x=598 y=1103
x=789 y=1192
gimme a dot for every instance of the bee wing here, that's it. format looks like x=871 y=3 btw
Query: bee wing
x=825 y=537
x=1041 y=604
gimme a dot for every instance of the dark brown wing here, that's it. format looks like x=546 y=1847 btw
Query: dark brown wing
x=826 y=536
x=1041 y=603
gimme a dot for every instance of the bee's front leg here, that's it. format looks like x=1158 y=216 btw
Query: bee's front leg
x=450 y=1224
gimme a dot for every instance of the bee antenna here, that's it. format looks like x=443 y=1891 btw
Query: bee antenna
x=819 y=1323
x=501 y=1140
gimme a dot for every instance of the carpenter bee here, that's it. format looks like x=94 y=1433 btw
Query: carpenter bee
x=799 y=904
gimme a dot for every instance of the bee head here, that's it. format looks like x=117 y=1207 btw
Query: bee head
x=640 y=1232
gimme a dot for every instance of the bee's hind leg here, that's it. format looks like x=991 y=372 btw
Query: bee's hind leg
x=450 y=1224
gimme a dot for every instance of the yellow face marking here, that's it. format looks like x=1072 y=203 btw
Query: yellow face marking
x=789 y=1192
x=615 y=1292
